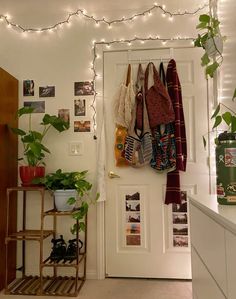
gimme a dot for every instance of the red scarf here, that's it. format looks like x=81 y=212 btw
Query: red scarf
x=173 y=192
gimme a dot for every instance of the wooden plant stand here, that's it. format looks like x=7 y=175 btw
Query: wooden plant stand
x=55 y=285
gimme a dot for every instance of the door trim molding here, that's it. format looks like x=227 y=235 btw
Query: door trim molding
x=101 y=240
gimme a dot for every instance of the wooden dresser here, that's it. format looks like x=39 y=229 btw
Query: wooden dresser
x=8 y=165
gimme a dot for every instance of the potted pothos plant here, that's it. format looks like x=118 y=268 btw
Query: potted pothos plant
x=71 y=191
x=225 y=152
x=34 y=149
x=211 y=41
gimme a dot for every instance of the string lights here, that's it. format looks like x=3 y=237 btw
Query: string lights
x=129 y=43
x=98 y=21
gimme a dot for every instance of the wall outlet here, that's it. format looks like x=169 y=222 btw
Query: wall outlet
x=76 y=148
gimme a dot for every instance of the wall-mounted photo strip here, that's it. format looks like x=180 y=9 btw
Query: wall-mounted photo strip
x=183 y=206
x=132 y=206
x=180 y=218
x=135 y=196
x=46 y=91
x=133 y=219
x=82 y=126
x=28 y=88
x=64 y=114
x=134 y=240
x=181 y=230
x=133 y=228
x=39 y=106
x=80 y=107
x=83 y=88
x=180 y=241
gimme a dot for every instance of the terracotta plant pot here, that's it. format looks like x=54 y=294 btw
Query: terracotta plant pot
x=28 y=173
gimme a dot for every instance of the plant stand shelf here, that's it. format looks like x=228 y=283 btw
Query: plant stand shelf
x=54 y=285
x=51 y=286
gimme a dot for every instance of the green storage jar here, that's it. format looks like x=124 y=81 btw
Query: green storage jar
x=226 y=169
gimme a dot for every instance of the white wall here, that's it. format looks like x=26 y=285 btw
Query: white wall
x=63 y=57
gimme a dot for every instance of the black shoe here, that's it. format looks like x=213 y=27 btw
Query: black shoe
x=58 y=250
x=71 y=253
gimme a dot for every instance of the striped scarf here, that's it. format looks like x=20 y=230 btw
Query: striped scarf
x=173 y=192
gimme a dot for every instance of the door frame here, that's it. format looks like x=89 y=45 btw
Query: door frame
x=212 y=99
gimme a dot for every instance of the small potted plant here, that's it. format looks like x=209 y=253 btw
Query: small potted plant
x=211 y=41
x=32 y=140
x=71 y=192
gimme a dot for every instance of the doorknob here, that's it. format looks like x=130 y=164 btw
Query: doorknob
x=113 y=175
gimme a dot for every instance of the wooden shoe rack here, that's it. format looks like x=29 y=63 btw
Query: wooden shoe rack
x=54 y=285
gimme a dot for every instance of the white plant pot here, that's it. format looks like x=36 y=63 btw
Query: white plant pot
x=214 y=47
x=61 y=197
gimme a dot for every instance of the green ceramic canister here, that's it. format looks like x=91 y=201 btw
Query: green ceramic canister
x=226 y=168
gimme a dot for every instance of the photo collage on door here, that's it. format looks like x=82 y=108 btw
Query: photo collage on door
x=133 y=219
x=180 y=222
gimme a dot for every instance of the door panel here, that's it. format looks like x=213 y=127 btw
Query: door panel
x=140 y=236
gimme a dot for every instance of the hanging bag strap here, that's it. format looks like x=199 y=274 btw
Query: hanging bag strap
x=155 y=75
x=140 y=87
x=128 y=76
x=162 y=73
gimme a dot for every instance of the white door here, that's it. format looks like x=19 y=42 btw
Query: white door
x=144 y=237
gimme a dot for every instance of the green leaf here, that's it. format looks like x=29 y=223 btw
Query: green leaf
x=197 y=41
x=227 y=117
x=215 y=23
x=205 y=59
x=82 y=226
x=204 y=38
x=233 y=124
x=218 y=120
x=216 y=111
x=24 y=110
x=18 y=131
x=234 y=95
x=71 y=200
x=59 y=124
x=201 y=26
x=204 y=142
x=204 y=18
x=210 y=69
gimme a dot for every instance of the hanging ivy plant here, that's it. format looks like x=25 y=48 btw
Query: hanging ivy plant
x=211 y=41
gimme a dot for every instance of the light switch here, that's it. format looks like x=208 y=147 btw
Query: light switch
x=76 y=148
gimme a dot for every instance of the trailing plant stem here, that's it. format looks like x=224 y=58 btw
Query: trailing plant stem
x=228 y=108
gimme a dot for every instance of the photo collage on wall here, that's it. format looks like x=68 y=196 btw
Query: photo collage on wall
x=44 y=92
x=82 y=89
x=180 y=222
x=133 y=219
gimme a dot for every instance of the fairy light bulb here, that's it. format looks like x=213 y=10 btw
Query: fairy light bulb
x=24 y=34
